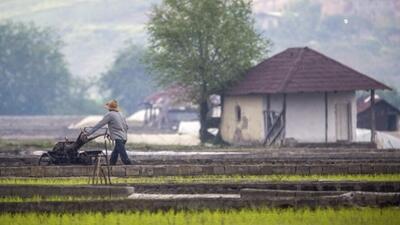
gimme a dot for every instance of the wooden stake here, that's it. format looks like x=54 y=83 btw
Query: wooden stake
x=268 y=127
x=372 y=116
x=284 y=117
x=326 y=117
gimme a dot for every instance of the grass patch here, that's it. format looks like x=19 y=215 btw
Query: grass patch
x=203 y=179
x=353 y=216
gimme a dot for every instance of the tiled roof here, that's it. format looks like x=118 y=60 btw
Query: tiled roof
x=302 y=70
x=363 y=104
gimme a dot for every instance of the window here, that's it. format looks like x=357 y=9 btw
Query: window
x=238 y=112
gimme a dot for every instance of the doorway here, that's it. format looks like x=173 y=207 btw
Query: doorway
x=343 y=128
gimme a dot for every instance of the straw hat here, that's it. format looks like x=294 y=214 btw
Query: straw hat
x=112 y=105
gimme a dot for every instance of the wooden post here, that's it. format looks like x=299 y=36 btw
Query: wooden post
x=372 y=107
x=146 y=115
x=284 y=116
x=267 y=119
x=326 y=117
x=268 y=113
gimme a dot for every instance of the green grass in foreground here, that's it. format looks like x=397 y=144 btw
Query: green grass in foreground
x=204 y=179
x=346 y=216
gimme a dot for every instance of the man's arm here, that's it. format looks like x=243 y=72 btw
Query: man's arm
x=126 y=125
x=100 y=124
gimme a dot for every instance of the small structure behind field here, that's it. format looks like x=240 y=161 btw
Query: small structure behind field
x=298 y=94
x=166 y=108
x=387 y=115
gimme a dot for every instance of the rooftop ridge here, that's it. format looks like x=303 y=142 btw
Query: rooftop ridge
x=292 y=70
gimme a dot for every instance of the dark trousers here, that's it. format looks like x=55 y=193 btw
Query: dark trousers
x=119 y=149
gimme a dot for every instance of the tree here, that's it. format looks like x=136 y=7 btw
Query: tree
x=128 y=80
x=34 y=78
x=32 y=69
x=204 y=45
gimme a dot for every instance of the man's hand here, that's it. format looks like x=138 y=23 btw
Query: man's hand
x=84 y=135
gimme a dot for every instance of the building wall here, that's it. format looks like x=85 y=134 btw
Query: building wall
x=250 y=128
x=305 y=116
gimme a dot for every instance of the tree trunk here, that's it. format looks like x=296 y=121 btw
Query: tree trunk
x=203 y=121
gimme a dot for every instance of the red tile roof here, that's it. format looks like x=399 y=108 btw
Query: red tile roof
x=173 y=95
x=302 y=70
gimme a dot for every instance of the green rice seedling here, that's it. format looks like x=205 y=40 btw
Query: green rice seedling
x=203 y=179
x=342 y=216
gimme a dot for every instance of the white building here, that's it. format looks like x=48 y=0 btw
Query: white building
x=298 y=94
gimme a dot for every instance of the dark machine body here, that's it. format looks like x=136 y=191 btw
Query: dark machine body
x=68 y=152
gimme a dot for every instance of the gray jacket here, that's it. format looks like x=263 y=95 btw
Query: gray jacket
x=117 y=126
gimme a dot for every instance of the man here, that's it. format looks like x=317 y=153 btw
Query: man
x=118 y=131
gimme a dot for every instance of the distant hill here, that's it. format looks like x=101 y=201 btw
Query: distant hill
x=364 y=34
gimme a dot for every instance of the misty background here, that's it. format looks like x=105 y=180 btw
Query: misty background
x=101 y=43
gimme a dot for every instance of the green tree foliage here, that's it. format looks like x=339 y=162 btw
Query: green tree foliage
x=204 y=45
x=34 y=78
x=32 y=69
x=128 y=80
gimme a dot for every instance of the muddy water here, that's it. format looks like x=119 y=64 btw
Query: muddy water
x=183 y=196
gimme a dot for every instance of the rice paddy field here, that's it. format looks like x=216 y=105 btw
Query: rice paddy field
x=203 y=179
x=249 y=216
x=346 y=216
